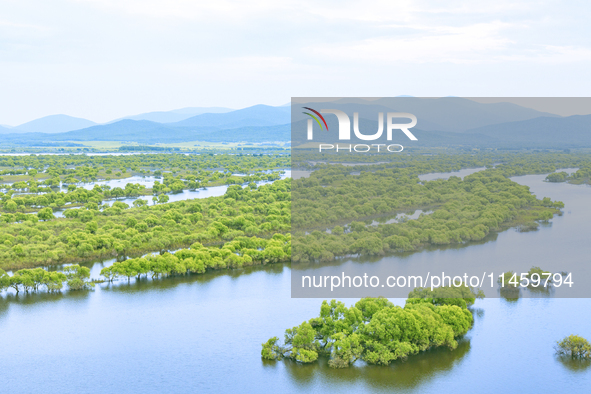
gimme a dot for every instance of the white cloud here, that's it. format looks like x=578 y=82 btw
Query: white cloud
x=468 y=44
x=103 y=59
x=193 y=10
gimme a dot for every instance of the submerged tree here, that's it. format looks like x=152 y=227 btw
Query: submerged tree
x=574 y=346
x=4 y=280
x=375 y=330
x=77 y=277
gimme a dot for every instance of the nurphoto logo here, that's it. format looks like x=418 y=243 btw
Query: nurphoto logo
x=345 y=129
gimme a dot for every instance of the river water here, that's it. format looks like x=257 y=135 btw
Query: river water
x=212 y=191
x=203 y=333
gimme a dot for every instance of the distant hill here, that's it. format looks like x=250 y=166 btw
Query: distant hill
x=53 y=124
x=262 y=123
x=259 y=123
x=146 y=132
x=6 y=130
x=572 y=131
x=250 y=134
x=175 y=115
x=539 y=133
x=440 y=114
x=258 y=115
x=123 y=130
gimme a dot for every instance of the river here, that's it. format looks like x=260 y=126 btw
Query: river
x=203 y=333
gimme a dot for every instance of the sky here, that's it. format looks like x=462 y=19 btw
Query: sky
x=104 y=59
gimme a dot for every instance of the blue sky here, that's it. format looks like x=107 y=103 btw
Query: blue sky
x=103 y=59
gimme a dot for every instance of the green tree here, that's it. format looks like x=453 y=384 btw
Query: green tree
x=131 y=222
x=86 y=216
x=374 y=330
x=140 y=203
x=301 y=338
x=272 y=351
x=574 y=346
x=54 y=281
x=11 y=206
x=92 y=227
x=4 y=280
x=77 y=277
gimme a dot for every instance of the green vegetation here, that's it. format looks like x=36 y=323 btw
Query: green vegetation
x=464 y=210
x=77 y=196
x=240 y=252
x=557 y=177
x=83 y=166
x=447 y=160
x=462 y=296
x=376 y=331
x=176 y=173
x=582 y=175
x=534 y=278
x=88 y=234
x=351 y=201
x=31 y=280
x=575 y=347
x=509 y=279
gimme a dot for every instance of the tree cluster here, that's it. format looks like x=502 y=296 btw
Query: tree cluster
x=88 y=234
x=464 y=210
x=238 y=253
x=575 y=347
x=376 y=331
x=32 y=280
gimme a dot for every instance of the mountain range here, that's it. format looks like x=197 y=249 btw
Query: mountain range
x=441 y=122
x=175 y=115
x=51 y=124
x=442 y=114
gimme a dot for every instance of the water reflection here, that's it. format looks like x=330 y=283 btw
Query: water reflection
x=134 y=285
x=399 y=217
x=392 y=256
x=416 y=371
x=574 y=365
x=40 y=297
x=446 y=175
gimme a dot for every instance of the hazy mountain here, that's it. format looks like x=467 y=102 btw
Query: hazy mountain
x=439 y=114
x=572 y=131
x=202 y=110
x=175 y=115
x=542 y=132
x=53 y=124
x=250 y=134
x=262 y=123
x=123 y=130
x=5 y=130
x=258 y=115
x=368 y=116
x=539 y=133
x=146 y=132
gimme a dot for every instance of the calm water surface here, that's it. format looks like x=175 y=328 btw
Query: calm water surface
x=203 y=334
x=212 y=191
x=445 y=175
